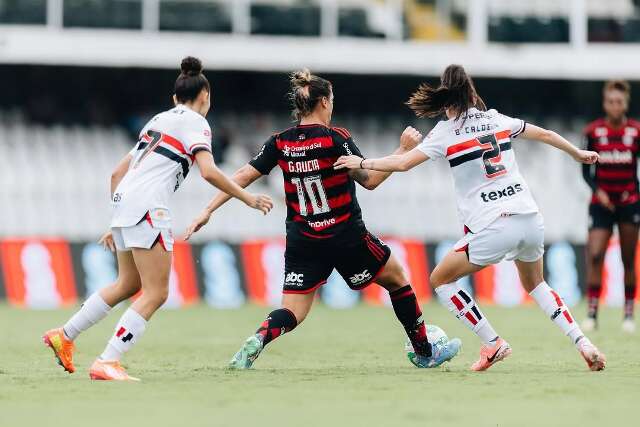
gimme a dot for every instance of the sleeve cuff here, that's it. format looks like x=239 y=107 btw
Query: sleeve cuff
x=519 y=131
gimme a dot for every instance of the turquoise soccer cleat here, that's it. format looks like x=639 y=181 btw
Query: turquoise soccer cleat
x=247 y=354
x=441 y=351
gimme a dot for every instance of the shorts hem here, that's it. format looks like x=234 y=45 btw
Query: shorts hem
x=304 y=291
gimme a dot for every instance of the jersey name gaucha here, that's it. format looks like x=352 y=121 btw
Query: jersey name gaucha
x=306 y=166
x=499 y=194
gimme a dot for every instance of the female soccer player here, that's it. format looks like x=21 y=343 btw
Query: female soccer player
x=324 y=224
x=501 y=219
x=616 y=197
x=141 y=186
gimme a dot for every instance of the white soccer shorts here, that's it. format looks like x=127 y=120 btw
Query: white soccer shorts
x=514 y=237
x=142 y=235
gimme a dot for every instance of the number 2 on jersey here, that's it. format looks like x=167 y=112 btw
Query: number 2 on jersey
x=492 y=156
x=312 y=186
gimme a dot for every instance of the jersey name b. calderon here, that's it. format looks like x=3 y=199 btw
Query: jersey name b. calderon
x=487 y=180
x=160 y=162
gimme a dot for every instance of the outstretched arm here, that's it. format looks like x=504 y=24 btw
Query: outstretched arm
x=370 y=179
x=243 y=177
x=403 y=159
x=551 y=138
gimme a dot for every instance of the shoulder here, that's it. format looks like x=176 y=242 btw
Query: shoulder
x=589 y=128
x=633 y=123
x=341 y=133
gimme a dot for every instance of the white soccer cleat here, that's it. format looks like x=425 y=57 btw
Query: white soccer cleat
x=629 y=326
x=595 y=359
x=589 y=324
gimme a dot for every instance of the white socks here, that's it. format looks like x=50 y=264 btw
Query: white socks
x=92 y=311
x=129 y=329
x=554 y=307
x=464 y=308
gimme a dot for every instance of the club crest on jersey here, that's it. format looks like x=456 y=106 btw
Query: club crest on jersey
x=302 y=137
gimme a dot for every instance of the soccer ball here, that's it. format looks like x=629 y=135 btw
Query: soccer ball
x=435 y=335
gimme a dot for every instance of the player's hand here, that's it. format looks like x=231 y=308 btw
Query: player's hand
x=604 y=199
x=198 y=223
x=107 y=242
x=261 y=202
x=587 y=157
x=410 y=138
x=348 y=162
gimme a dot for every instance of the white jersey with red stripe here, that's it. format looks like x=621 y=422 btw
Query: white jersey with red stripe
x=160 y=162
x=488 y=183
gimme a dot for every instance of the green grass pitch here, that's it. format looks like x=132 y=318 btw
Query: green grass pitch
x=340 y=368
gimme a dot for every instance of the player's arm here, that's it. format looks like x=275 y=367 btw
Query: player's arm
x=119 y=172
x=392 y=163
x=551 y=138
x=212 y=174
x=371 y=179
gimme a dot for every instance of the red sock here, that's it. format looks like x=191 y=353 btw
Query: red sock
x=278 y=322
x=593 y=298
x=629 y=301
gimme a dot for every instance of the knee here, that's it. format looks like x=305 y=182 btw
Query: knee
x=393 y=277
x=596 y=257
x=156 y=297
x=436 y=279
x=128 y=285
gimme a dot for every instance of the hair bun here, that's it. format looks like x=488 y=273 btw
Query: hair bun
x=301 y=78
x=191 y=66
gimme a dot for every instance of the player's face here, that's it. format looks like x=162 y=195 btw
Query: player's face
x=615 y=104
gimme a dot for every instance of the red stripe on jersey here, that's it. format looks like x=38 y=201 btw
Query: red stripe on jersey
x=307 y=165
x=343 y=132
x=504 y=134
x=612 y=145
x=601 y=172
x=318 y=236
x=462 y=146
x=617 y=188
x=341 y=200
x=324 y=141
x=169 y=140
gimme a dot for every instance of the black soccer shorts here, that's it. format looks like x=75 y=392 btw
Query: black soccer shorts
x=601 y=217
x=308 y=264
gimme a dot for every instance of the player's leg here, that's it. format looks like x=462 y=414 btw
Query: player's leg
x=628 y=243
x=154 y=267
x=94 y=309
x=532 y=279
x=307 y=267
x=369 y=259
x=601 y=222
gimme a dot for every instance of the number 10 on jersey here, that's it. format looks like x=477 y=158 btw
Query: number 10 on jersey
x=312 y=186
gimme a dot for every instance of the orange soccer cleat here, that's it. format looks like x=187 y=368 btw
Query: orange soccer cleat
x=492 y=354
x=109 y=370
x=62 y=348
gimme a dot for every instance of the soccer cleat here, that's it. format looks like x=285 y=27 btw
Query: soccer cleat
x=440 y=352
x=589 y=324
x=62 y=348
x=489 y=355
x=629 y=325
x=590 y=353
x=247 y=354
x=109 y=370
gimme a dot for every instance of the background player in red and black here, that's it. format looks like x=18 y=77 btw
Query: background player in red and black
x=616 y=196
x=324 y=223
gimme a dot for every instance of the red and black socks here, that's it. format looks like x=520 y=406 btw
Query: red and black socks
x=629 y=301
x=407 y=309
x=593 y=298
x=278 y=322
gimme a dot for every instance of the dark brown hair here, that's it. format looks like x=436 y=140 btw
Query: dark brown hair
x=191 y=81
x=621 y=85
x=306 y=92
x=456 y=91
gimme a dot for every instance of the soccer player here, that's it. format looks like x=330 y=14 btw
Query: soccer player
x=616 y=197
x=500 y=217
x=324 y=224
x=141 y=186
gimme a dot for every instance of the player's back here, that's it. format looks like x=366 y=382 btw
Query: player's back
x=321 y=201
x=160 y=162
x=487 y=179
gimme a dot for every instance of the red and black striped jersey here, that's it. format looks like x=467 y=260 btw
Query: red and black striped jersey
x=321 y=201
x=616 y=171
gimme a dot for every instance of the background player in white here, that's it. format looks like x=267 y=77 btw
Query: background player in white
x=141 y=186
x=501 y=218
